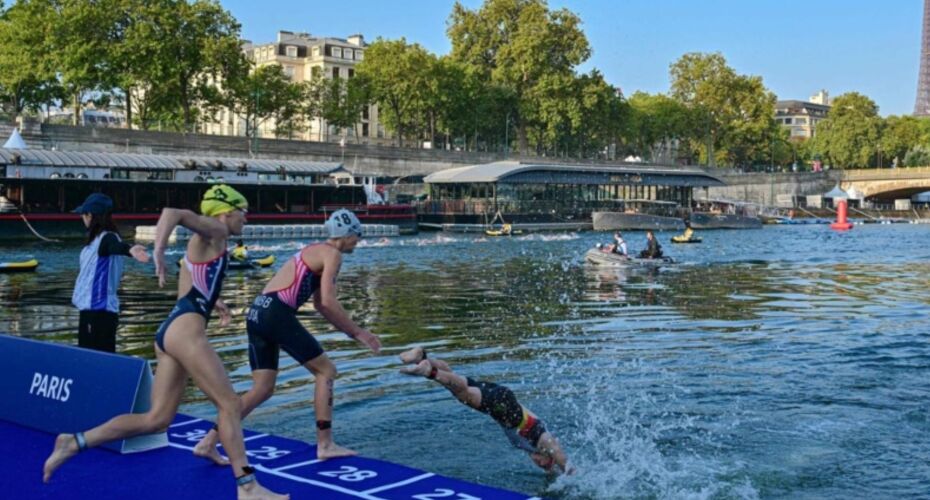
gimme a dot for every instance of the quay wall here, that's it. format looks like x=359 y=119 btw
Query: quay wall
x=762 y=188
x=770 y=189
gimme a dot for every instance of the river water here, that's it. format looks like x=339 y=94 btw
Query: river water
x=784 y=362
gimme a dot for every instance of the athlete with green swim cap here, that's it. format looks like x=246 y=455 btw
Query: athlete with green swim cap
x=181 y=344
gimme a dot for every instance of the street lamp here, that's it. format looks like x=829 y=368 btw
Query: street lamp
x=507 y=135
x=258 y=94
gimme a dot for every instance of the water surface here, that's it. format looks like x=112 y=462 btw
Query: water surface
x=784 y=362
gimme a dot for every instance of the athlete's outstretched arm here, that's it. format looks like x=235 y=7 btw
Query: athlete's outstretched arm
x=206 y=227
x=326 y=302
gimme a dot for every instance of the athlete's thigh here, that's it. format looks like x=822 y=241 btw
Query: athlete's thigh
x=187 y=343
x=169 y=384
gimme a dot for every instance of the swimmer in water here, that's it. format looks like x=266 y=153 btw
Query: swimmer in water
x=523 y=428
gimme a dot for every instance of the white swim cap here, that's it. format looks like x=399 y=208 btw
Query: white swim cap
x=343 y=222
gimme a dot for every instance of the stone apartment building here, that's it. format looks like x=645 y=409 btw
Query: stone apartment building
x=801 y=117
x=303 y=55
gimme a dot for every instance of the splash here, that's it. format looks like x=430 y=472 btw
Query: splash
x=642 y=445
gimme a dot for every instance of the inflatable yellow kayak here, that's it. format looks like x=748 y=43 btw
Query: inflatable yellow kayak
x=502 y=232
x=682 y=239
x=19 y=267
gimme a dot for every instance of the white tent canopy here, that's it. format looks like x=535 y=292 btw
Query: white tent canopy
x=836 y=192
x=15 y=141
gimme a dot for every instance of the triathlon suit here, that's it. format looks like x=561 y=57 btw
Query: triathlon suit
x=521 y=427
x=272 y=321
x=206 y=283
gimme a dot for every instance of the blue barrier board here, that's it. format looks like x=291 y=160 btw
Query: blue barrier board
x=284 y=465
x=60 y=388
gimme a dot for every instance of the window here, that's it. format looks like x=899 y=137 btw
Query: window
x=289 y=71
x=336 y=51
x=291 y=51
x=358 y=55
x=347 y=53
x=364 y=110
x=335 y=72
x=364 y=130
x=351 y=72
x=787 y=121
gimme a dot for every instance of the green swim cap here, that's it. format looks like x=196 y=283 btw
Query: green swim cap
x=221 y=199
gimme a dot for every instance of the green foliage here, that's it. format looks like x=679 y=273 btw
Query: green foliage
x=850 y=136
x=27 y=81
x=524 y=49
x=653 y=120
x=343 y=101
x=899 y=135
x=263 y=94
x=398 y=77
x=919 y=156
x=732 y=115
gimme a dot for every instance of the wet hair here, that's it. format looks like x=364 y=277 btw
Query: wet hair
x=98 y=224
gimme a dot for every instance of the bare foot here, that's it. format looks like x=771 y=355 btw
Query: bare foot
x=414 y=355
x=332 y=450
x=206 y=448
x=422 y=368
x=255 y=491
x=65 y=447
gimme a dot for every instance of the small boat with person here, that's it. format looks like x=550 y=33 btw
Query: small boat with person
x=505 y=229
x=606 y=258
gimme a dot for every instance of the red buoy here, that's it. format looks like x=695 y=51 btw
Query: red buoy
x=841 y=223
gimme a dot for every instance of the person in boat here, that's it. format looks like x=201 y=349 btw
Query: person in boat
x=101 y=267
x=619 y=246
x=272 y=325
x=521 y=426
x=686 y=236
x=181 y=344
x=506 y=229
x=240 y=252
x=653 y=249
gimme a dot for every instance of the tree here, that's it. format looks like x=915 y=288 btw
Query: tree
x=396 y=74
x=189 y=46
x=850 y=136
x=518 y=46
x=77 y=42
x=733 y=114
x=899 y=135
x=654 y=120
x=264 y=94
x=343 y=102
x=27 y=81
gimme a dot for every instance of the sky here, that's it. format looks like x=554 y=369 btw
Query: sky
x=797 y=46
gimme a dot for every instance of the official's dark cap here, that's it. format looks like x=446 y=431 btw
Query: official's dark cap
x=96 y=203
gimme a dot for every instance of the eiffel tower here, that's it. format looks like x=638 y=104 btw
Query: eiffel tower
x=922 y=106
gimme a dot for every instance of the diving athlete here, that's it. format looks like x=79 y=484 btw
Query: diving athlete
x=523 y=428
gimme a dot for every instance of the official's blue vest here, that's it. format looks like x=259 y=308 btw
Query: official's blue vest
x=95 y=289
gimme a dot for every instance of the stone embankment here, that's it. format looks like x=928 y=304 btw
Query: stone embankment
x=762 y=188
